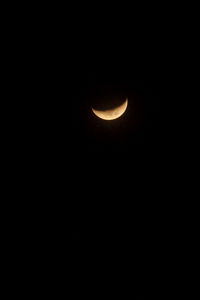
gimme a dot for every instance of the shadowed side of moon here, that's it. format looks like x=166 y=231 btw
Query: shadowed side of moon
x=111 y=114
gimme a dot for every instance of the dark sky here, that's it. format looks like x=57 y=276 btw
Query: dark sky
x=99 y=189
x=115 y=154
x=117 y=170
x=118 y=182
x=110 y=176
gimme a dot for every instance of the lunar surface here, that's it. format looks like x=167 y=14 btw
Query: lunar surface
x=111 y=114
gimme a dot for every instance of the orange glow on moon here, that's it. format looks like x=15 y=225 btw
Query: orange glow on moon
x=111 y=114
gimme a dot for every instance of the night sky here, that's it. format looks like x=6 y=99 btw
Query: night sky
x=116 y=163
x=108 y=179
x=99 y=200
x=117 y=169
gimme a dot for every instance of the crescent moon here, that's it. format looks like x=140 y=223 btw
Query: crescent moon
x=111 y=114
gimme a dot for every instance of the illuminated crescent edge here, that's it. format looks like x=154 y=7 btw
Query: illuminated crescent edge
x=111 y=114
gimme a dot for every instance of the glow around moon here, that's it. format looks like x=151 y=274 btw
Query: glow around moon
x=111 y=114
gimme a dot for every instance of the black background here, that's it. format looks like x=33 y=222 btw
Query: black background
x=121 y=213
x=100 y=188
x=119 y=202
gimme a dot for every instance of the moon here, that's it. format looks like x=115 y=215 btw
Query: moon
x=111 y=114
